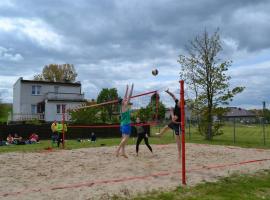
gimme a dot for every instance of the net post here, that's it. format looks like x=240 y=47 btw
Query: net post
x=182 y=110
x=63 y=127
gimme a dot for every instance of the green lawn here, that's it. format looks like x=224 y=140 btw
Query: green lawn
x=236 y=187
x=245 y=136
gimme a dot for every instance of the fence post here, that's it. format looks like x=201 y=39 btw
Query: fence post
x=234 y=138
x=263 y=123
x=63 y=127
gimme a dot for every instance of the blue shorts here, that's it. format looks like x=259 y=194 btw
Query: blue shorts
x=125 y=129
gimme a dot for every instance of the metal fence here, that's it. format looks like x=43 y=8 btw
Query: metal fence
x=234 y=132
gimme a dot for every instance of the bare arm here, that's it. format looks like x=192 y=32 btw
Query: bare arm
x=127 y=99
x=126 y=92
x=171 y=94
x=130 y=94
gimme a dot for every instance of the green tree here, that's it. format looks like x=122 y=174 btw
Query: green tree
x=85 y=116
x=4 y=111
x=205 y=73
x=151 y=110
x=107 y=111
x=266 y=115
x=262 y=113
x=57 y=73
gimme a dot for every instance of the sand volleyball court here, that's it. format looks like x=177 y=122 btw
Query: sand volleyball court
x=95 y=173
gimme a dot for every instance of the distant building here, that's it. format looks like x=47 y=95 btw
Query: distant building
x=44 y=100
x=240 y=114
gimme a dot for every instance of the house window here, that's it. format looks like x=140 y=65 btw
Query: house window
x=33 y=109
x=63 y=108
x=56 y=89
x=36 y=89
x=60 y=108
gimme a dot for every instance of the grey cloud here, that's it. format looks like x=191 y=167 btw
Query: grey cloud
x=96 y=25
x=112 y=42
x=9 y=55
x=255 y=79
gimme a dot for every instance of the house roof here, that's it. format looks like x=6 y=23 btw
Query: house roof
x=239 y=112
x=77 y=84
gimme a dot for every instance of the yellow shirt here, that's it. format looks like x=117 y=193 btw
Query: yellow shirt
x=53 y=127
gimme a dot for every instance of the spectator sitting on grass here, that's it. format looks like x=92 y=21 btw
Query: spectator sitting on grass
x=33 y=138
x=10 y=139
x=18 y=139
x=93 y=137
x=2 y=142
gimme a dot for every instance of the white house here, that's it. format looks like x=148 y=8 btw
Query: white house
x=45 y=100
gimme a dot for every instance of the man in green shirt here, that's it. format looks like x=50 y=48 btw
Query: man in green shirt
x=61 y=130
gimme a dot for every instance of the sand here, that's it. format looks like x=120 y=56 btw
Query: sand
x=95 y=173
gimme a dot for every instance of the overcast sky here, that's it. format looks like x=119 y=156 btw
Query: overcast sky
x=115 y=42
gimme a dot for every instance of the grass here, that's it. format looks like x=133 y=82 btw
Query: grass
x=246 y=136
x=236 y=187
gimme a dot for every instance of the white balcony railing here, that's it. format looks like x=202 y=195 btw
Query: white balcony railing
x=26 y=117
x=64 y=96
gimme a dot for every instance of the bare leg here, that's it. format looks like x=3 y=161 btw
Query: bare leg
x=119 y=147
x=163 y=130
x=178 y=142
x=122 y=146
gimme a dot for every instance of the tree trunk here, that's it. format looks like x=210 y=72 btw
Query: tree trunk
x=209 y=123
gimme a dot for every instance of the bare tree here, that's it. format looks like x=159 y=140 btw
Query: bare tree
x=205 y=73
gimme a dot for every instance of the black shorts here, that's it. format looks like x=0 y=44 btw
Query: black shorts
x=175 y=127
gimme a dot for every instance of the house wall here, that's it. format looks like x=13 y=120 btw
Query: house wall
x=16 y=98
x=23 y=99
x=51 y=110
x=27 y=99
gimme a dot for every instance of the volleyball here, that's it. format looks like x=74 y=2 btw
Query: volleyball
x=155 y=72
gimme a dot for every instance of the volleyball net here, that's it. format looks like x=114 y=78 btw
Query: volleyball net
x=107 y=113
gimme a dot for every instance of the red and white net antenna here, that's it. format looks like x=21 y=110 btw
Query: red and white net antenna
x=157 y=105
